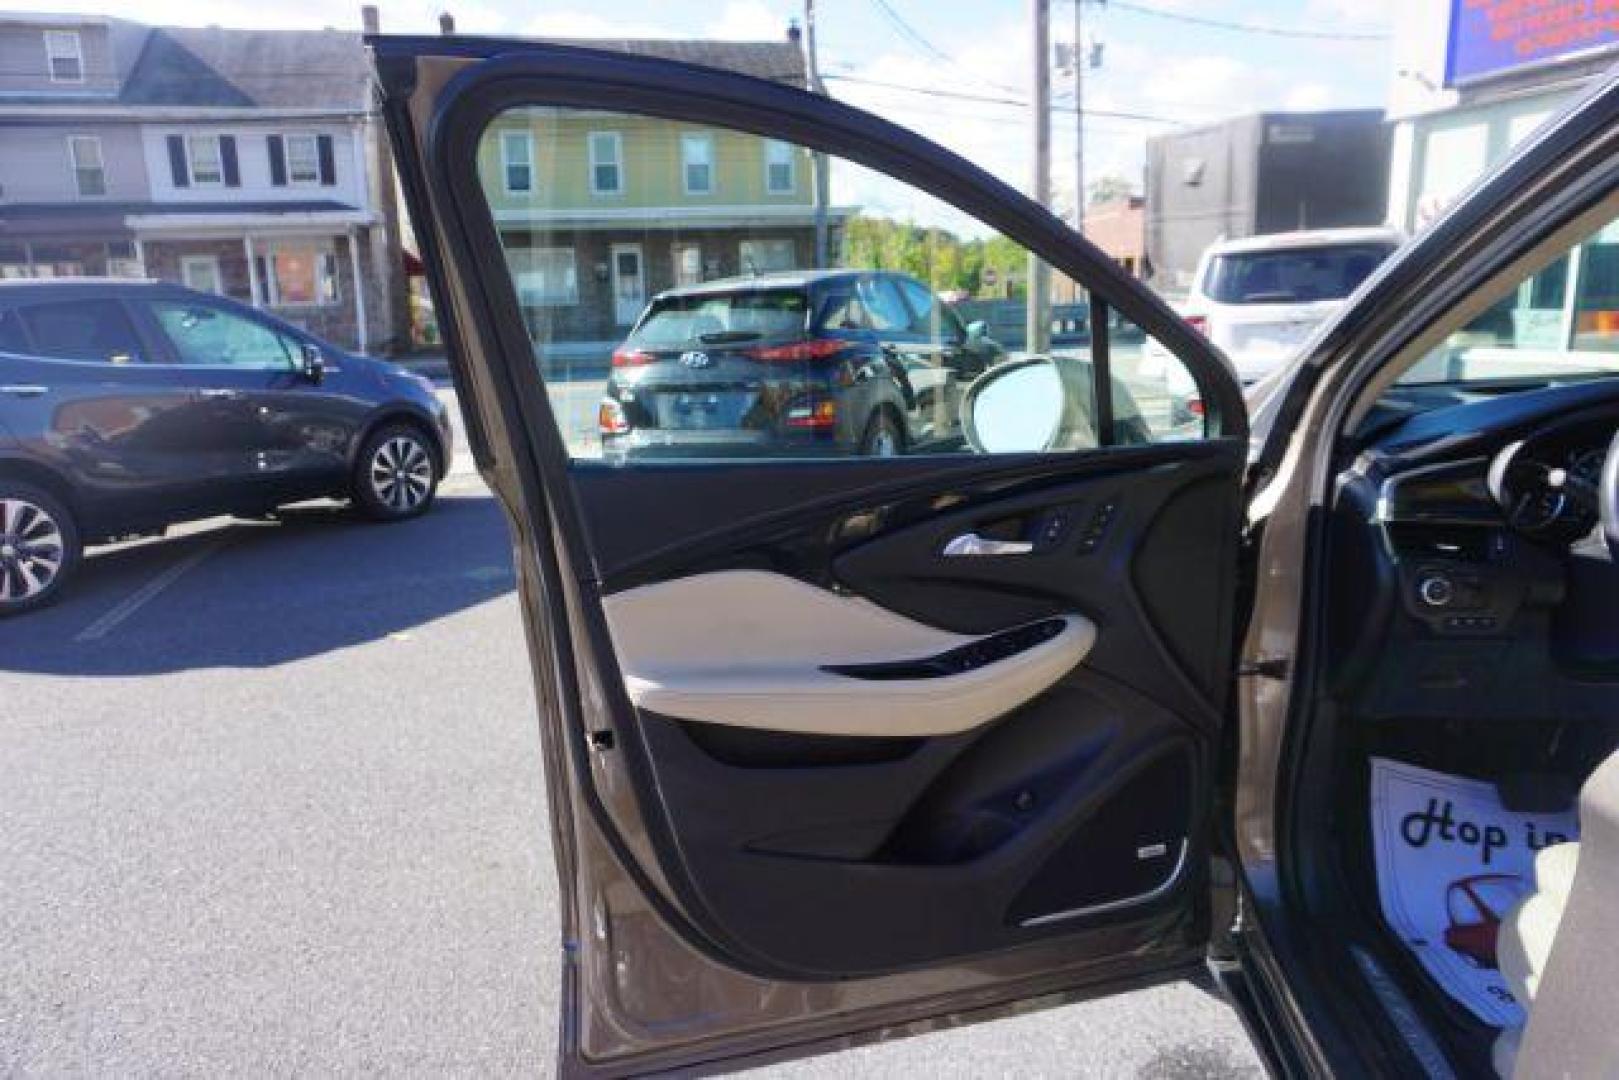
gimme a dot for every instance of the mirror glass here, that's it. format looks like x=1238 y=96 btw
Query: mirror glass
x=1017 y=409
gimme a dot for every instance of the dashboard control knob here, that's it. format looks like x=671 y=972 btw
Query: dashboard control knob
x=1436 y=590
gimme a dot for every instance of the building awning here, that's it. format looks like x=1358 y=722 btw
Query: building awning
x=66 y=223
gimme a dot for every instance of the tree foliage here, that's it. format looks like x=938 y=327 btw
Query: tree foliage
x=938 y=257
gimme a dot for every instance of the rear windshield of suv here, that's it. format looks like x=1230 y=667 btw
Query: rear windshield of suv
x=1296 y=276
x=744 y=315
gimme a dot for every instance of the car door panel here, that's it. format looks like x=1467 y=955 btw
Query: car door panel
x=737 y=879
x=832 y=845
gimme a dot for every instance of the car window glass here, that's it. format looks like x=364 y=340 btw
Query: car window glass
x=843 y=310
x=691 y=325
x=1295 y=276
x=12 y=337
x=886 y=309
x=1562 y=321
x=82 y=330
x=927 y=314
x=208 y=336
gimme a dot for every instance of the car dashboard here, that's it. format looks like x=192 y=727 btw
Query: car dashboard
x=1469 y=575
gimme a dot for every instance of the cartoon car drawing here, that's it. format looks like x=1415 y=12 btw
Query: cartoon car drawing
x=1475 y=906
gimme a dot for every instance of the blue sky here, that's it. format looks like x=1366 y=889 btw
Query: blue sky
x=1152 y=65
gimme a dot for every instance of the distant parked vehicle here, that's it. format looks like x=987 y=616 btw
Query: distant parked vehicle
x=127 y=406
x=1260 y=297
x=810 y=362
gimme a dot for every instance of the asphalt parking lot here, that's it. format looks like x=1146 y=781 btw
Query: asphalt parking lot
x=273 y=804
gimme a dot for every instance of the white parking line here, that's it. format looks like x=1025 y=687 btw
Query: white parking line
x=145 y=594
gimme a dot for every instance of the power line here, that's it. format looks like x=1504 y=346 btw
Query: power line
x=956 y=95
x=916 y=37
x=1241 y=27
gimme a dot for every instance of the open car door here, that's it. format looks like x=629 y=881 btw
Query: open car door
x=842 y=733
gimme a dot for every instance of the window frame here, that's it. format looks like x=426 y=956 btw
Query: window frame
x=616 y=140
x=677 y=252
x=313 y=139
x=192 y=141
x=572 y=252
x=697 y=138
x=53 y=37
x=201 y=259
x=507 y=161
x=791 y=163
x=78 y=169
x=325 y=252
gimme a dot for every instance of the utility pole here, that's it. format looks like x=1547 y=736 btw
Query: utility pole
x=1081 y=58
x=823 y=172
x=1037 y=312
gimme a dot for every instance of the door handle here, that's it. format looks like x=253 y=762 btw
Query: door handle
x=25 y=390
x=973 y=544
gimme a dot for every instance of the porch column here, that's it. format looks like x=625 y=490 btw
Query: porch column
x=253 y=293
x=359 y=291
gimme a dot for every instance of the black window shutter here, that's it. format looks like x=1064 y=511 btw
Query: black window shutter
x=278 y=161
x=227 y=156
x=177 y=161
x=328 y=164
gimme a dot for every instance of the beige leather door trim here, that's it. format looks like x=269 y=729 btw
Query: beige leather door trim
x=747 y=648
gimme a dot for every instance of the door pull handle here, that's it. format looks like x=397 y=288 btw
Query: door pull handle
x=24 y=390
x=971 y=544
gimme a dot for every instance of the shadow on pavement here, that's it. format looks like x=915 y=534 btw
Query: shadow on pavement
x=261 y=594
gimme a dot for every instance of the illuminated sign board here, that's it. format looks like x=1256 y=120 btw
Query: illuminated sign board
x=1492 y=37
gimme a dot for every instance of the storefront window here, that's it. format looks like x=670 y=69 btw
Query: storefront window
x=545 y=277
x=1563 y=320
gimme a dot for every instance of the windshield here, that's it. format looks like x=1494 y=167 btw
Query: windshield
x=744 y=315
x=1297 y=275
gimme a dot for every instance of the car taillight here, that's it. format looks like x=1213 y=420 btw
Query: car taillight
x=610 y=418
x=625 y=356
x=1200 y=323
x=799 y=351
x=1194 y=406
x=815 y=414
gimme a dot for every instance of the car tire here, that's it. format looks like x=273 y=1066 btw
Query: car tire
x=396 y=473
x=883 y=436
x=35 y=526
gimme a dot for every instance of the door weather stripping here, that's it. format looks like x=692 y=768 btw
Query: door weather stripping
x=1156 y=892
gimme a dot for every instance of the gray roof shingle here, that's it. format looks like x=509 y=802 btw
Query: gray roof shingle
x=303 y=69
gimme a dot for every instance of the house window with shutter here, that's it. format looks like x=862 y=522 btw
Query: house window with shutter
x=64 y=54
x=205 y=161
x=303 y=159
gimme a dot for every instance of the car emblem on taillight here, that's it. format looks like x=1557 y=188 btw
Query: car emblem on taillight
x=695 y=359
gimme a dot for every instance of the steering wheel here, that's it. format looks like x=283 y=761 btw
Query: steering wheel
x=1609 y=497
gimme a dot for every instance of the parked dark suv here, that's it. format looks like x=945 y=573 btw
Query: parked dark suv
x=830 y=361
x=126 y=406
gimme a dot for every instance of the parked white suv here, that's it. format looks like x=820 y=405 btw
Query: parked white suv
x=1259 y=298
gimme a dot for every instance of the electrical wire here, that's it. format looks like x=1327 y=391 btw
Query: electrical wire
x=956 y=95
x=1235 y=26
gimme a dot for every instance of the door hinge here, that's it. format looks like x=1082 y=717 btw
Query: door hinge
x=1266 y=667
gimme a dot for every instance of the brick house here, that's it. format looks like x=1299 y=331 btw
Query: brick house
x=234 y=161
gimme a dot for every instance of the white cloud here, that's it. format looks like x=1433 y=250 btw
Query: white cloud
x=739 y=20
x=1308 y=97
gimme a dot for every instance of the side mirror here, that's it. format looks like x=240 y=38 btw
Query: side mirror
x=314 y=364
x=1030 y=406
x=977 y=331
